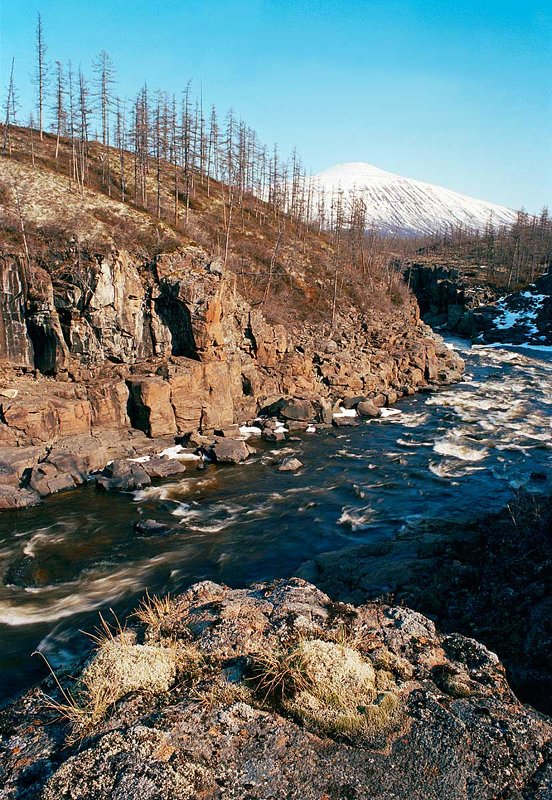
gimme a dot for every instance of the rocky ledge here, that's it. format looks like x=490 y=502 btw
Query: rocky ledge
x=471 y=305
x=276 y=692
x=482 y=576
x=149 y=353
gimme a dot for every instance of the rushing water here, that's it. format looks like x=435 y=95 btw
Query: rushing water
x=453 y=454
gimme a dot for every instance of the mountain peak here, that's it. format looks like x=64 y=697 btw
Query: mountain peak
x=395 y=204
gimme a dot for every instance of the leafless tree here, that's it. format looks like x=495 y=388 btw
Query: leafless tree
x=10 y=111
x=60 y=113
x=41 y=75
x=104 y=82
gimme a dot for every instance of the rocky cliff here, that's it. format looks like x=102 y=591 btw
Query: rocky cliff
x=469 y=303
x=101 y=355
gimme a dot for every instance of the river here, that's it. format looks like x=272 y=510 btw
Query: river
x=451 y=455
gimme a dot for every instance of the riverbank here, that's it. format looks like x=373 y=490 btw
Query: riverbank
x=431 y=459
x=380 y=481
x=86 y=411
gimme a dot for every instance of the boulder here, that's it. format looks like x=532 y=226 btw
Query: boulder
x=122 y=476
x=366 y=408
x=47 y=479
x=11 y=497
x=229 y=451
x=345 y=422
x=162 y=467
x=297 y=409
x=379 y=400
x=290 y=465
x=150 y=527
x=352 y=402
x=295 y=425
x=273 y=436
x=15 y=462
x=79 y=456
x=325 y=411
x=231 y=431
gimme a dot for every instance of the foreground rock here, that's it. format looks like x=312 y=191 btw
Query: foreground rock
x=482 y=577
x=229 y=451
x=276 y=692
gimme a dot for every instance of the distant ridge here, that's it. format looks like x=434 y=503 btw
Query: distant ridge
x=395 y=204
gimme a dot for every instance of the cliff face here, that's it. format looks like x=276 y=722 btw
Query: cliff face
x=473 y=306
x=167 y=347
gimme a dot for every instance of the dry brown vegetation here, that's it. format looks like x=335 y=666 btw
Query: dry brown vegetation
x=329 y=687
x=288 y=268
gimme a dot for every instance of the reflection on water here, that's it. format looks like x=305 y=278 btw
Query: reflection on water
x=453 y=454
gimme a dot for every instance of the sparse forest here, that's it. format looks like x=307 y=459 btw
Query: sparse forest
x=180 y=160
x=203 y=175
x=510 y=257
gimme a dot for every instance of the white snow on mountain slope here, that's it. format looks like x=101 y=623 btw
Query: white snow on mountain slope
x=403 y=205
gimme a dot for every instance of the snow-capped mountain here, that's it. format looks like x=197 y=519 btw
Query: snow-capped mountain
x=403 y=205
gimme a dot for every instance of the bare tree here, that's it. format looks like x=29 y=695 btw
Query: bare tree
x=10 y=111
x=84 y=112
x=75 y=173
x=120 y=143
x=60 y=114
x=186 y=144
x=41 y=74
x=104 y=81
x=213 y=149
x=141 y=141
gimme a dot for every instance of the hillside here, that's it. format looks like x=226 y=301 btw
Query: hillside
x=398 y=205
x=117 y=319
x=39 y=191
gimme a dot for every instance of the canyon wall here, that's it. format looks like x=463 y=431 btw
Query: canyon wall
x=100 y=356
x=472 y=305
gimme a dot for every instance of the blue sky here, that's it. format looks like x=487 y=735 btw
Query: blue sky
x=455 y=93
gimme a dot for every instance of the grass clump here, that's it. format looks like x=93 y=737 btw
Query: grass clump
x=226 y=693
x=329 y=687
x=118 y=667
x=279 y=673
x=159 y=615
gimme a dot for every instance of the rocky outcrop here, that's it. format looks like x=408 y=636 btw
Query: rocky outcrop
x=481 y=577
x=275 y=691
x=15 y=345
x=447 y=296
x=471 y=305
x=169 y=347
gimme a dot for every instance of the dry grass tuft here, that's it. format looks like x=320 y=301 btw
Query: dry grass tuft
x=118 y=667
x=329 y=687
x=224 y=692
x=279 y=673
x=156 y=612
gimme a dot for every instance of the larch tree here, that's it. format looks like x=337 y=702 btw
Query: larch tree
x=104 y=82
x=60 y=113
x=84 y=113
x=41 y=74
x=10 y=110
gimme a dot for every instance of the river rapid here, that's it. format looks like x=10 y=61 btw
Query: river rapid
x=452 y=455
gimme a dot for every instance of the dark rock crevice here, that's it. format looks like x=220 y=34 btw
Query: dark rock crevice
x=175 y=314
